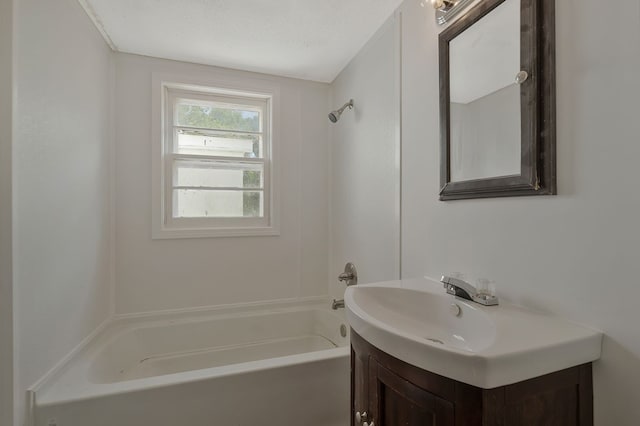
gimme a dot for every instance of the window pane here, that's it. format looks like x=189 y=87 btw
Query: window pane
x=217 y=175
x=195 y=114
x=193 y=203
x=220 y=144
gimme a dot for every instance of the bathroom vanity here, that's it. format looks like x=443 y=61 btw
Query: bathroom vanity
x=394 y=393
x=422 y=357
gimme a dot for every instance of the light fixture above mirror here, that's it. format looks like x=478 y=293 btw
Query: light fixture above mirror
x=446 y=10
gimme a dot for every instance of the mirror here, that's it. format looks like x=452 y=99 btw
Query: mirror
x=497 y=101
x=485 y=99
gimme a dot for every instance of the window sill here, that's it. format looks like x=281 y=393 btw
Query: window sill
x=175 y=233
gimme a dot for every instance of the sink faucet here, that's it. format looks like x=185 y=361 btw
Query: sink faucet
x=463 y=289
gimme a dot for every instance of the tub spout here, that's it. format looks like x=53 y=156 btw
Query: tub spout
x=337 y=304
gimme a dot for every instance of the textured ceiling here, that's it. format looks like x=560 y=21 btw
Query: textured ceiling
x=308 y=39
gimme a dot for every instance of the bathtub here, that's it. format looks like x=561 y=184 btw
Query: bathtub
x=283 y=365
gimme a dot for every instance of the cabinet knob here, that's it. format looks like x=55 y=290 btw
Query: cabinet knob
x=361 y=417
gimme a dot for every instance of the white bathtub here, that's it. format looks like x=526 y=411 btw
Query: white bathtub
x=280 y=366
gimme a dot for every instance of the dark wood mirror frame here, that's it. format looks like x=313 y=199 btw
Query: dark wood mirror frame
x=538 y=107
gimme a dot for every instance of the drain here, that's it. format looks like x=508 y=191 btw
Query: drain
x=438 y=341
x=343 y=330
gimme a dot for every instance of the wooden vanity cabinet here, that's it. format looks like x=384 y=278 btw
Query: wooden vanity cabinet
x=394 y=393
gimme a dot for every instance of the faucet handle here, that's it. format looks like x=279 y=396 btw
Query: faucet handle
x=350 y=275
x=485 y=299
x=344 y=276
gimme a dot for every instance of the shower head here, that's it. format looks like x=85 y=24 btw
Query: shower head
x=334 y=116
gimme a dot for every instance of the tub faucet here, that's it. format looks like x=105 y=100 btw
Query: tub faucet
x=463 y=289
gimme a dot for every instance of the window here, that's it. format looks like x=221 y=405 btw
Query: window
x=216 y=163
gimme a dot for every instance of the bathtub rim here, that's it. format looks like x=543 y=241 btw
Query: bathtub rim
x=45 y=389
x=192 y=376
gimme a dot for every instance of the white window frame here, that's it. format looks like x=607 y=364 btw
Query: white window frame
x=166 y=89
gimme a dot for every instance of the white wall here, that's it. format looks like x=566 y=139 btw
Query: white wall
x=575 y=254
x=6 y=293
x=365 y=158
x=184 y=273
x=485 y=136
x=63 y=77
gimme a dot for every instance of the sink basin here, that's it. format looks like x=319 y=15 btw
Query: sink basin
x=484 y=346
x=425 y=317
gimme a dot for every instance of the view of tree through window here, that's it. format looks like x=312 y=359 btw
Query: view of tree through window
x=231 y=128
x=209 y=117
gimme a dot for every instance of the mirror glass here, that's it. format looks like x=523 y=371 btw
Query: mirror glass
x=485 y=115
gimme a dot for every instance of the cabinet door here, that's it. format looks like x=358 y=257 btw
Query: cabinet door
x=359 y=382
x=395 y=401
x=563 y=398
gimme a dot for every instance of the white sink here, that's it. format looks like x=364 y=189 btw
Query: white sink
x=484 y=346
